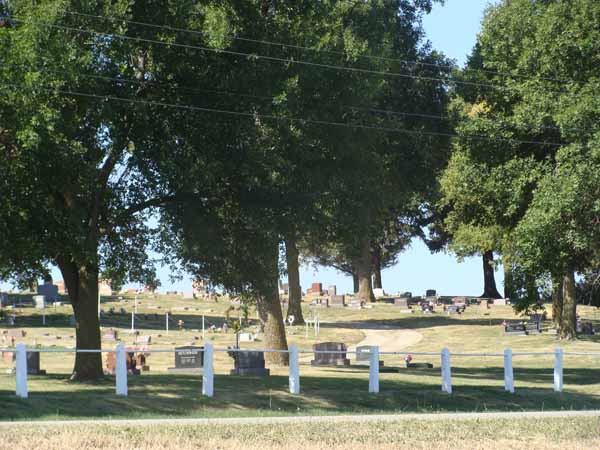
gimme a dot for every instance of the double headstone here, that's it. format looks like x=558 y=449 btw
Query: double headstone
x=249 y=363
x=337 y=357
x=188 y=359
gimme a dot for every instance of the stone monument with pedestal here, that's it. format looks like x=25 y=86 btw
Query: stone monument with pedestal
x=336 y=358
x=248 y=363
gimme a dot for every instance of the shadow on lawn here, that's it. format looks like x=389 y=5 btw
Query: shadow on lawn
x=412 y=322
x=180 y=396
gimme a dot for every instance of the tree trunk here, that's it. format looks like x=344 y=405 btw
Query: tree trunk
x=364 y=269
x=377 y=270
x=557 y=301
x=270 y=308
x=355 y=281
x=295 y=292
x=82 y=284
x=489 y=282
x=568 y=319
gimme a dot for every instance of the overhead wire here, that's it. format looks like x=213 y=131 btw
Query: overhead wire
x=267 y=57
x=256 y=115
x=306 y=48
x=155 y=83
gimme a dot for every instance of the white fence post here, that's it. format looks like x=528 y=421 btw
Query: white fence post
x=294 y=370
x=374 y=369
x=558 y=369
x=21 y=370
x=446 y=371
x=121 y=370
x=208 y=372
x=509 y=380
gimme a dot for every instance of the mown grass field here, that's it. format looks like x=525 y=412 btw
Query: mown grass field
x=546 y=434
x=477 y=381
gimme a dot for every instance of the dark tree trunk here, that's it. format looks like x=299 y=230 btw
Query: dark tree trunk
x=568 y=319
x=364 y=268
x=377 y=270
x=269 y=308
x=82 y=284
x=295 y=292
x=355 y=281
x=557 y=301
x=489 y=281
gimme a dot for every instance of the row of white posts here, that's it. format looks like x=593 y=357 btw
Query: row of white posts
x=294 y=370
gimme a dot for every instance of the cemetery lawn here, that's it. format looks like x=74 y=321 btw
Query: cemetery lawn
x=545 y=434
x=477 y=381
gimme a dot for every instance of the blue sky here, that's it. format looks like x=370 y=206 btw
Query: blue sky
x=452 y=29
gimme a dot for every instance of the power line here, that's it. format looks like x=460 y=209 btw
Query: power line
x=265 y=57
x=317 y=50
x=263 y=97
x=254 y=115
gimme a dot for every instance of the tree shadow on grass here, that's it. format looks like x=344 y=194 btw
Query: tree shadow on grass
x=180 y=396
x=412 y=323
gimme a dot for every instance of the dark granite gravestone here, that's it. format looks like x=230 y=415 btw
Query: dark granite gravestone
x=430 y=293
x=330 y=359
x=585 y=328
x=33 y=364
x=249 y=363
x=188 y=359
x=522 y=328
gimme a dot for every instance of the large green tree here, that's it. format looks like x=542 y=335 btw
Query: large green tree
x=535 y=126
x=72 y=193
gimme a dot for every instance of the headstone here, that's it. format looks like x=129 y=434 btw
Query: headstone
x=49 y=290
x=430 y=293
x=355 y=304
x=459 y=301
x=500 y=302
x=39 y=301
x=321 y=302
x=330 y=359
x=110 y=335
x=378 y=293
x=188 y=359
x=337 y=301
x=131 y=362
x=402 y=302
x=331 y=291
x=246 y=337
x=363 y=355
x=452 y=309
x=249 y=363
x=144 y=340
x=483 y=304
x=33 y=364
x=585 y=328
x=514 y=328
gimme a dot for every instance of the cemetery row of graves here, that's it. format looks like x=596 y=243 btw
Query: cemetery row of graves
x=164 y=340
